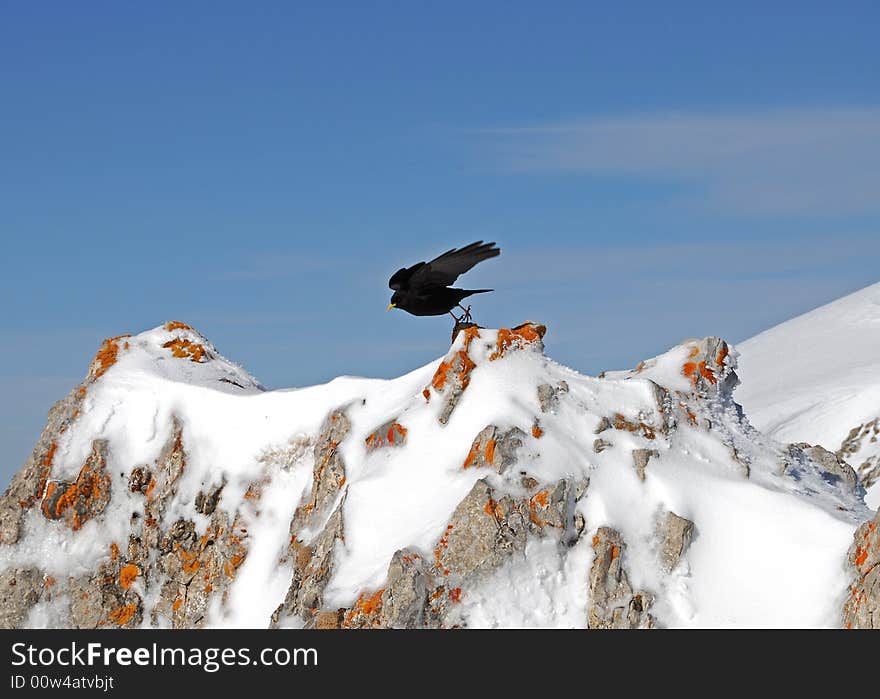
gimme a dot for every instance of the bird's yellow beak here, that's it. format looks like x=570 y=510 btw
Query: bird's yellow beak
x=391 y=305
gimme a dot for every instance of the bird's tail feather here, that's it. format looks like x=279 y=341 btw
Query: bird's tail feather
x=471 y=292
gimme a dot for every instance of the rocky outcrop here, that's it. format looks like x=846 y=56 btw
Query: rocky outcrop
x=76 y=503
x=548 y=396
x=862 y=448
x=862 y=607
x=312 y=556
x=486 y=530
x=613 y=603
x=389 y=434
x=163 y=573
x=29 y=483
x=454 y=373
x=675 y=534
x=833 y=468
x=494 y=448
x=312 y=567
x=641 y=457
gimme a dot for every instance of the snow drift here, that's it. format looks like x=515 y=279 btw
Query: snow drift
x=491 y=488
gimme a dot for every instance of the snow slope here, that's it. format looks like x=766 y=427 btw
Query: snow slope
x=816 y=378
x=771 y=527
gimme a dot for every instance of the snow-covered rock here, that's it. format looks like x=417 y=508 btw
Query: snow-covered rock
x=491 y=488
x=816 y=379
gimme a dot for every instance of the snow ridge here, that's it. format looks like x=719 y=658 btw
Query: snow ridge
x=490 y=488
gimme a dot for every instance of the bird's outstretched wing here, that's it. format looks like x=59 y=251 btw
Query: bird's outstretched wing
x=402 y=276
x=445 y=269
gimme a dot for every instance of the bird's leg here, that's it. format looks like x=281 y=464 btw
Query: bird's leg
x=467 y=313
x=455 y=318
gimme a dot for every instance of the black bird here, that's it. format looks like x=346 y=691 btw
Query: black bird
x=424 y=290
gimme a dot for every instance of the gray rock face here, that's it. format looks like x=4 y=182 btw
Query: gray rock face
x=802 y=458
x=388 y=434
x=328 y=474
x=708 y=368
x=313 y=557
x=29 y=483
x=312 y=566
x=184 y=571
x=76 y=503
x=548 y=396
x=495 y=448
x=862 y=607
x=486 y=529
x=405 y=599
x=453 y=375
x=675 y=534
x=600 y=445
x=613 y=604
x=861 y=443
x=641 y=457
x=20 y=589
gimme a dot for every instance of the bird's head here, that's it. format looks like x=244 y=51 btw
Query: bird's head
x=395 y=300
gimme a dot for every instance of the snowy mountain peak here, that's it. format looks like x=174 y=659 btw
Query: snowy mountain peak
x=173 y=351
x=492 y=487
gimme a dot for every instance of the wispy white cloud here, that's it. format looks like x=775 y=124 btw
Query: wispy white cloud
x=276 y=265
x=783 y=161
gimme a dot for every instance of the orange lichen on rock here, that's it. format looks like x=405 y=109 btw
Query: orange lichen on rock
x=78 y=502
x=707 y=373
x=455 y=595
x=187 y=349
x=173 y=325
x=619 y=422
x=127 y=575
x=517 y=338
x=538 y=503
x=695 y=370
x=106 y=356
x=537 y=432
x=114 y=551
x=459 y=366
x=472 y=456
x=396 y=428
x=861 y=555
x=493 y=509
x=427 y=394
x=438 y=550
x=369 y=605
x=615 y=551
x=365 y=611
x=389 y=435
x=489 y=454
x=123 y=615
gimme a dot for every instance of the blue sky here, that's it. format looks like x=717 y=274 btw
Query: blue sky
x=652 y=171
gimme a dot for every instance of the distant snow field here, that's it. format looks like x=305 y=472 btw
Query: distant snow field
x=816 y=379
